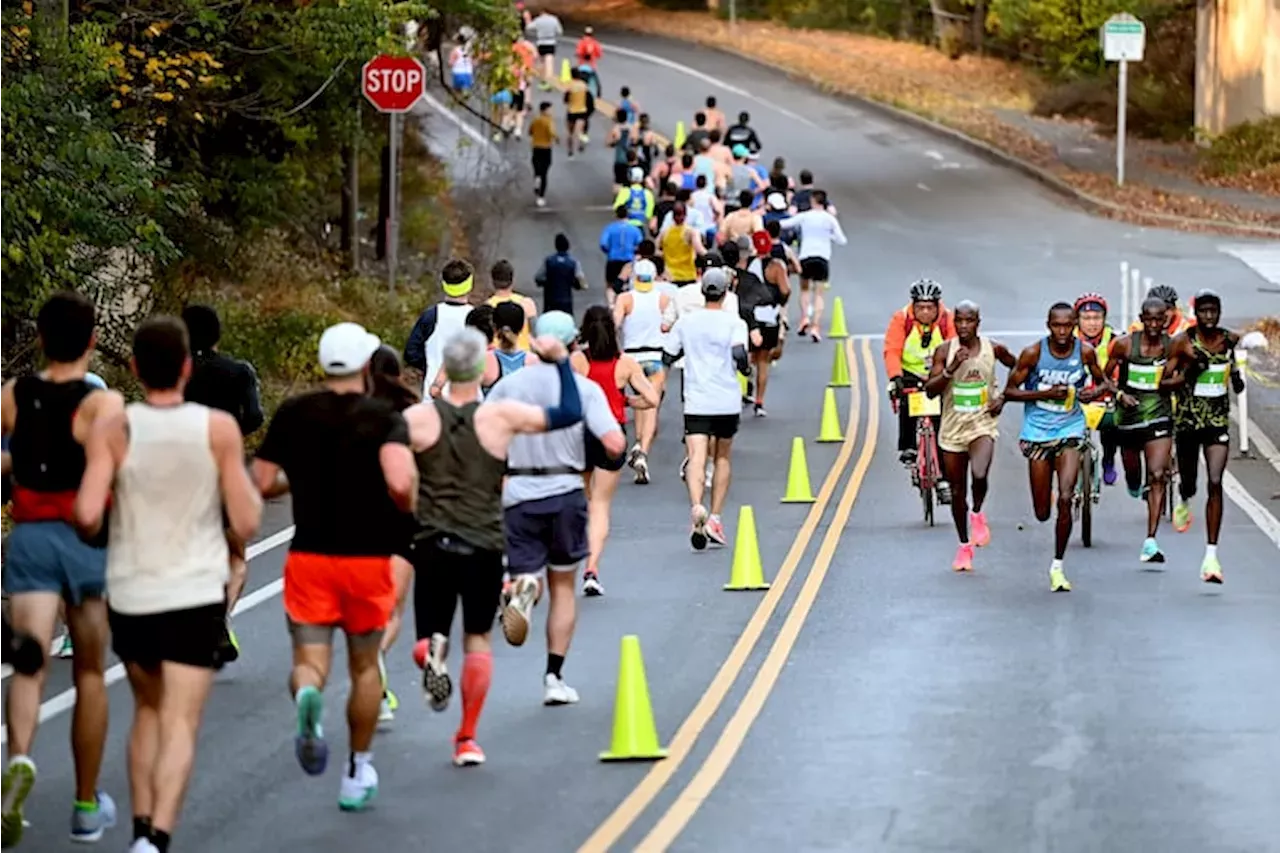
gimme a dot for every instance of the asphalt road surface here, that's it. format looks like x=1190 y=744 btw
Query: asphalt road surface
x=871 y=700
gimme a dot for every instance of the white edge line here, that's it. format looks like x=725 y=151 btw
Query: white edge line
x=470 y=131
x=684 y=69
x=1240 y=496
x=65 y=700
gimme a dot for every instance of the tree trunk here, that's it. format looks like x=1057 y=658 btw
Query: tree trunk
x=979 y=25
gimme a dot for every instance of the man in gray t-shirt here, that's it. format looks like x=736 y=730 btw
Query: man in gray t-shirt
x=544 y=506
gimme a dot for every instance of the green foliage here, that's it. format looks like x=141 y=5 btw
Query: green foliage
x=1064 y=33
x=1250 y=147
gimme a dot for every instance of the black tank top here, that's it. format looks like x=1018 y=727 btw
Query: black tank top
x=460 y=484
x=46 y=455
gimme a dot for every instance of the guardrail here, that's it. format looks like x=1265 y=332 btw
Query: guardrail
x=1134 y=287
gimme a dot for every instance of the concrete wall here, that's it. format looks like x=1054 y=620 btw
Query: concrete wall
x=1237 y=62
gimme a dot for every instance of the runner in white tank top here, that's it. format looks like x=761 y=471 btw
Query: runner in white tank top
x=172 y=467
x=640 y=314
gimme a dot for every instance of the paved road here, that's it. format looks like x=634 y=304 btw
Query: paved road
x=871 y=700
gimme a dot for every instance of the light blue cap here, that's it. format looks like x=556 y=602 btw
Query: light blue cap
x=96 y=381
x=559 y=325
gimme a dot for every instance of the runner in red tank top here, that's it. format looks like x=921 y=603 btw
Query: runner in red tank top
x=604 y=364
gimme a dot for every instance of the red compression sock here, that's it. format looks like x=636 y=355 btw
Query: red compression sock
x=477 y=673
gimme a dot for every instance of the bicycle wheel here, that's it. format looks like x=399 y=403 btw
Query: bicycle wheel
x=1084 y=496
x=928 y=466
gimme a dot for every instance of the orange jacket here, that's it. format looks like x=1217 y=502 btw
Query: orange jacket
x=900 y=325
x=588 y=51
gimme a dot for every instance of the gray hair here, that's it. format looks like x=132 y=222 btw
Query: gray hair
x=464 y=355
x=968 y=306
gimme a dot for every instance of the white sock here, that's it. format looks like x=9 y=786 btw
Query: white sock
x=1056 y=567
x=358 y=759
x=1211 y=552
x=964 y=543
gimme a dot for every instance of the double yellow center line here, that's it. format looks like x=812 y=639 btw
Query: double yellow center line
x=714 y=766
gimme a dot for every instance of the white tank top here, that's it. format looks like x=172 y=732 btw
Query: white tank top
x=450 y=317
x=167 y=548
x=642 y=328
x=460 y=62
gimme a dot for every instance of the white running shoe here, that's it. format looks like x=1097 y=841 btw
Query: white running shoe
x=517 y=616
x=556 y=692
x=358 y=791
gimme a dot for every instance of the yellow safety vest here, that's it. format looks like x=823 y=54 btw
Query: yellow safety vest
x=1104 y=345
x=916 y=357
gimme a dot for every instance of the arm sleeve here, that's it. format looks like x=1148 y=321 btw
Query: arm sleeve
x=569 y=410
x=894 y=338
x=415 y=350
x=251 y=416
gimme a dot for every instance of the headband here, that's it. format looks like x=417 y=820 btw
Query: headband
x=462 y=288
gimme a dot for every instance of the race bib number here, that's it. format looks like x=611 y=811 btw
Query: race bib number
x=921 y=405
x=1145 y=377
x=1212 y=382
x=766 y=314
x=969 y=397
x=1059 y=406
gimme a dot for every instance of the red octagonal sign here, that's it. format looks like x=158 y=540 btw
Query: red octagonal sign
x=393 y=84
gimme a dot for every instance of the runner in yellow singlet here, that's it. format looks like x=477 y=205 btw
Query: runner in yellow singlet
x=680 y=246
x=503 y=276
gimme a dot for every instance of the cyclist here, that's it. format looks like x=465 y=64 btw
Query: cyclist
x=914 y=332
x=1092 y=328
x=963 y=373
x=1176 y=321
x=1202 y=365
x=1145 y=415
x=1050 y=379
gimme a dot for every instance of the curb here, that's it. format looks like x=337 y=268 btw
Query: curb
x=989 y=152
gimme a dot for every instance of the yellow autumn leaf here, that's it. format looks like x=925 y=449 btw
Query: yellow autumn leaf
x=205 y=79
x=153 y=65
x=116 y=46
x=182 y=84
x=199 y=117
x=163 y=96
x=116 y=104
x=213 y=63
x=162 y=120
x=27 y=8
x=135 y=53
x=124 y=90
x=171 y=73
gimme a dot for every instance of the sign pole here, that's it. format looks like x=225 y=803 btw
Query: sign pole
x=393 y=215
x=1121 y=116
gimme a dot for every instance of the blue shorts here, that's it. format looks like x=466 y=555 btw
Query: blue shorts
x=502 y=99
x=548 y=533
x=463 y=81
x=49 y=556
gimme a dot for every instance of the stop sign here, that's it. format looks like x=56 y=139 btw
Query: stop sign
x=393 y=84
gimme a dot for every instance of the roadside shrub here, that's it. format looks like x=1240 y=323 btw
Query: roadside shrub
x=1250 y=147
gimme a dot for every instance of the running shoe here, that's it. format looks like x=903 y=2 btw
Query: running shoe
x=517 y=616
x=437 y=687
x=591 y=586
x=1211 y=570
x=944 y=492
x=1151 y=552
x=386 y=713
x=641 y=467
x=1058 y=581
x=715 y=531
x=308 y=743
x=760 y=412
x=979 y=528
x=684 y=469
x=358 y=791
x=556 y=692
x=89 y=822
x=964 y=559
x=65 y=650
x=19 y=779
x=698 y=533
x=1109 y=475
x=1181 y=517
x=143 y=845
x=467 y=753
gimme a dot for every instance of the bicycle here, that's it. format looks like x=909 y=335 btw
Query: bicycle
x=926 y=474
x=1090 y=474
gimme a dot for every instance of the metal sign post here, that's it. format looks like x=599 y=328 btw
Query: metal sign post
x=1124 y=38
x=393 y=84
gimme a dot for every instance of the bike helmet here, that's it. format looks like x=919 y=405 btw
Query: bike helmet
x=1206 y=295
x=1165 y=294
x=926 y=290
x=1085 y=300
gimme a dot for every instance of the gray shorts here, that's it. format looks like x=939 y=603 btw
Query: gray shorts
x=49 y=556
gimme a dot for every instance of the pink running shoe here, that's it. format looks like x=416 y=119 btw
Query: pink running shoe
x=964 y=559
x=981 y=532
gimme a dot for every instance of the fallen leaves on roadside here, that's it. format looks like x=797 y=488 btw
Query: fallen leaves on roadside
x=962 y=94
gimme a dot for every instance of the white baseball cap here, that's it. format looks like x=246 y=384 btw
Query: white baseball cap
x=645 y=270
x=776 y=201
x=346 y=348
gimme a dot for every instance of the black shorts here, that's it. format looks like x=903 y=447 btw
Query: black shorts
x=546 y=50
x=769 y=339
x=598 y=458
x=620 y=173
x=1136 y=439
x=403 y=546
x=447 y=569
x=612 y=269
x=716 y=426
x=1210 y=436
x=578 y=117
x=517 y=100
x=191 y=636
x=551 y=532
x=815 y=269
